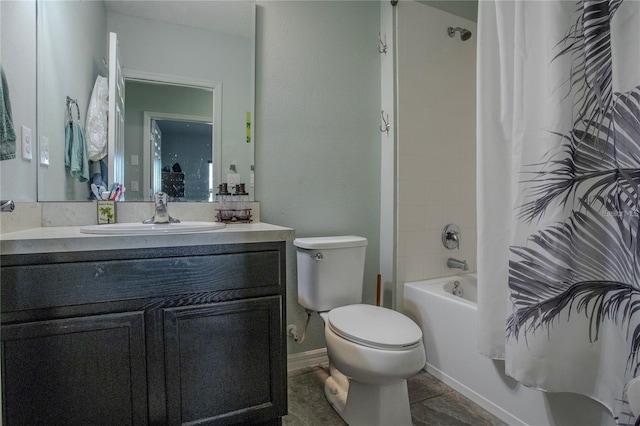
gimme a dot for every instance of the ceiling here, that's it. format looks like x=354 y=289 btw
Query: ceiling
x=467 y=9
x=234 y=17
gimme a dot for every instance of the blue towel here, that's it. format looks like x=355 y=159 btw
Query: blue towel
x=7 y=132
x=75 y=151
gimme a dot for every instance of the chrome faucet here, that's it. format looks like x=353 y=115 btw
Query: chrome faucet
x=454 y=237
x=161 y=215
x=455 y=263
x=7 y=206
x=451 y=236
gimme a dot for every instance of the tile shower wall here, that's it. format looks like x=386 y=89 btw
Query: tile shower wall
x=436 y=141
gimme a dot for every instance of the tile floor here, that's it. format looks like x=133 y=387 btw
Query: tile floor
x=432 y=402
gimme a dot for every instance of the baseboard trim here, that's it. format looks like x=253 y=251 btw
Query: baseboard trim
x=474 y=396
x=307 y=359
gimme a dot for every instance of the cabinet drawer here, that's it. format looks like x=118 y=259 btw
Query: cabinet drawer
x=40 y=286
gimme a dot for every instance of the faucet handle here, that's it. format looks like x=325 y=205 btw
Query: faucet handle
x=451 y=236
x=161 y=197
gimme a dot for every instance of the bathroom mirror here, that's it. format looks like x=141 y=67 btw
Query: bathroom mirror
x=204 y=49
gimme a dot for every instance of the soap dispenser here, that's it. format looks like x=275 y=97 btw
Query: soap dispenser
x=224 y=200
x=242 y=210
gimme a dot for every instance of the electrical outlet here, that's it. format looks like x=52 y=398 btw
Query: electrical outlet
x=233 y=178
x=44 y=150
x=134 y=162
x=27 y=149
x=134 y=186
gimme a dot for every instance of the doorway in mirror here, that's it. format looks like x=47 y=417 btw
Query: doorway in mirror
x=182 y=158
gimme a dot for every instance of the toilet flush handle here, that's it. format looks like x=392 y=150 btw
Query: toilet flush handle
x=318 y=256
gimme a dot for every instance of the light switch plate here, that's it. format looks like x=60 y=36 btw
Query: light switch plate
x=134 y=160
x=27 y=148
x=135 y=187
x=44 y=150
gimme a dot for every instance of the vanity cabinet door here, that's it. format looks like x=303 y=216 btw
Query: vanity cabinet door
x=75 y=371
x=225 y=362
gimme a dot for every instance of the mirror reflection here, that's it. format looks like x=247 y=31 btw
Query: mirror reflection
x=170 y=139
x=188 y=70
x=179 y=165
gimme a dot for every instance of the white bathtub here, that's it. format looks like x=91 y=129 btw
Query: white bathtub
x=448 y=324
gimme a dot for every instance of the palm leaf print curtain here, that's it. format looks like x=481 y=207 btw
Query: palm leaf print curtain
x=558 y=184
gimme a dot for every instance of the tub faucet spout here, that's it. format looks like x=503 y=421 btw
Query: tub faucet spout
x=455 y=263
x=161 y=214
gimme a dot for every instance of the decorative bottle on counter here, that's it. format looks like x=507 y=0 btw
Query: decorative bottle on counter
x=224 y=198
x=242 y=210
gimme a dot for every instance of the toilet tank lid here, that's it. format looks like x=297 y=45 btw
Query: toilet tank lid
x=316 y=243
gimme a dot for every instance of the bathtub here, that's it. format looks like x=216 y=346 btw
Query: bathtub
x=448 y=324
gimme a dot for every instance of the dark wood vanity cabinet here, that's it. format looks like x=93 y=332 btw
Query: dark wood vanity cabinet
x=161 y=336
x=84 y=370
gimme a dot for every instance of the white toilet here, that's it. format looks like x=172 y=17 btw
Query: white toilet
x=372 y=350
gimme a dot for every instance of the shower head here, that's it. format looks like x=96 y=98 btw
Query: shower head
x=465 y=34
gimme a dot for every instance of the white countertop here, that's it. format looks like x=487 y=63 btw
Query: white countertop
x=69 y=238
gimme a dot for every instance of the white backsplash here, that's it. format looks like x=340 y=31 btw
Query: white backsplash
x=35 y=215
x=25 y=216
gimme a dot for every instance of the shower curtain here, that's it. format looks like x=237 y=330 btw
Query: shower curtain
x=558 y=182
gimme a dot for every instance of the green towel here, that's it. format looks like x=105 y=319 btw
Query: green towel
x=7 y=132
x=75 y=151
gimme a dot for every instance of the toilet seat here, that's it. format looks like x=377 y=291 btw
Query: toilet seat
x=375 y=327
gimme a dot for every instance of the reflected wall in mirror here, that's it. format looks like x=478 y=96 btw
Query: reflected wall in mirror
x=170 y=132
x=185 y=45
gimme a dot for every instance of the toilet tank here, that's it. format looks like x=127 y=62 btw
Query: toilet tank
x=330 y=271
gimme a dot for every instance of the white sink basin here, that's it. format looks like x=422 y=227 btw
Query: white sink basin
x=151 y=228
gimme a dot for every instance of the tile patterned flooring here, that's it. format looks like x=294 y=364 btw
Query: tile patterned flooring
x=432 y=402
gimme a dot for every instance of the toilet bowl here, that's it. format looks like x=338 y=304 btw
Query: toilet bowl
x=372 y=350
x=372 y=344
